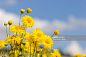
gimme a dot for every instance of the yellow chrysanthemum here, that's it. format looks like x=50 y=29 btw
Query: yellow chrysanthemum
x=38 y=33
x=55 y=53
x=84 y=55
x=14 y=39
x=17 y=29
x=47 y=42
x=38 y=55
x=2 y=43
x=30 y=37
x=27 y=21
x=77 y=55
x=44 y=55
x=39 y=50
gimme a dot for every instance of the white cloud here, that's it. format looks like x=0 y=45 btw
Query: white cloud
x=4 y=17
x=74 y=48
x=45 y=25
x=72 y=24
x=7 y=2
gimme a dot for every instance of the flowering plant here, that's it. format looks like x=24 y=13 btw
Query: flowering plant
x=23 y=43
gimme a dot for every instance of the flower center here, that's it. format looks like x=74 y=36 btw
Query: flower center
x=47 y=41
x=39 y=35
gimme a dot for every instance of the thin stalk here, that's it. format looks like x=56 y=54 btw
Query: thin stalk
x=9 y=30
x=3 y=52
x=52 y=35
x=6 y=31
x=26 y=13
x=7 y=51
x=30 y=49
x=33 y=51
x=36 y=50
x=20 y=19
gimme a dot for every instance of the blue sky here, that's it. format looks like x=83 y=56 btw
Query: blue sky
x=69 y=16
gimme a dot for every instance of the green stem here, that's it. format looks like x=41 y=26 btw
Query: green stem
x=36 y=49
x=20 y=19
x=7 y=51
x=6 y=31
x=26 y=13
x=30 y=49
x=3 y=52
x=9 y=30
x=33 y=51
x=52 y=35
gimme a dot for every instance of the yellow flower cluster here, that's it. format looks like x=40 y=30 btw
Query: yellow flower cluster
x=79 y=55
x=28 y=44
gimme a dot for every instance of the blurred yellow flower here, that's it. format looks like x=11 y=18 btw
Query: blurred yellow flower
x=2 y=43
x=22 y=11
x=39 y=50
x=30 y=37
x=44 y=55
x=11 y=52
x=38 y=55
x=47 y=42
x=27 y=21
x=56 y=32
x=10 y=22
x=29 y=10
x=14 y=39
x=84 y=55
x=38 y=33
x=77 y=55
x=17 y=29
x=55 y=53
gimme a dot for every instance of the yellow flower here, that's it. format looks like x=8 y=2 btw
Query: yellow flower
x=27 y=21
x=39 y=50
x=17 y=53
x=11 y=52
x=55 y=53
x=38 y=33
x=10 y=22
x=47 y=42
x=14 y=39
x=77 y=55
x=84 y=55
x=38 y=55
x=5 y=23
x=22 y=11
x=52 y=55
x=17 y=29
x=30 y=37
x=56 y=32
x=28 y=10
x=2 y=43
x=44 y=55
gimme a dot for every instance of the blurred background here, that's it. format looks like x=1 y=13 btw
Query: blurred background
x=68 y=16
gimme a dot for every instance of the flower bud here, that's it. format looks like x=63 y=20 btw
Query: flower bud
x=10 y=22
x=56 y=32
x=29 y=10
x=5 y=23
x=22 y=11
